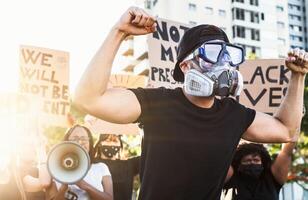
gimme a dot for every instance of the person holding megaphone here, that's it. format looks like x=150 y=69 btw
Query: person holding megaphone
x=68 y=160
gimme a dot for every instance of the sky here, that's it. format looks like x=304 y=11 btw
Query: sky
x=76 y=26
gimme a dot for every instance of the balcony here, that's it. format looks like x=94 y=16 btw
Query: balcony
x=142 y=68
x=127 y=47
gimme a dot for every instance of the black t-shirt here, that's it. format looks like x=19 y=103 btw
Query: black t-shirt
x=123 y=172
x=245 y=188
x=187 y=150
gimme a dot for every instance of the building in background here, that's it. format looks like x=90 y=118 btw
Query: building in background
x=264 y=28
x=298 y=23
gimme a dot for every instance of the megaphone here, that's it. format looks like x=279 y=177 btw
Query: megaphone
x=68 y=162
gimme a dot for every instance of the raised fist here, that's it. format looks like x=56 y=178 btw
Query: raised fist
x=297 y=61
x=135 y=21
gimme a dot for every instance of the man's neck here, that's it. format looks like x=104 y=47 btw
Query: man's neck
x=203 y=102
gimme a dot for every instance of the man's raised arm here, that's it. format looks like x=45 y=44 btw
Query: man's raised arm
x=286 y=121
x=92 y=95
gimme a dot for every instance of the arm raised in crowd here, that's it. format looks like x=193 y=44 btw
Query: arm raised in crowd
x=43 y=181
x=92 y=95
x=283 y=126
x=282 y=163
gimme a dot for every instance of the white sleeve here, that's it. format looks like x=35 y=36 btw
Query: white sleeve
x=104 y=169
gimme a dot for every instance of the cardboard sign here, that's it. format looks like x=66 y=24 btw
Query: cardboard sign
x=163 y=46
x=45 y=73
x=265 y=84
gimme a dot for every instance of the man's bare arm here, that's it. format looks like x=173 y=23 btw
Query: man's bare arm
x=92 y=95
x=286 y=121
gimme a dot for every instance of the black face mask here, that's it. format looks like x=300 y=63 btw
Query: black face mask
x=251 y=170
x=110 y=151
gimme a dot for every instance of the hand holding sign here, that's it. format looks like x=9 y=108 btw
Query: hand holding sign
x=135 y=21
x=297 y=61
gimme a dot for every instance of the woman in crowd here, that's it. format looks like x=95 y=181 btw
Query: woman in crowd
x=97 y=184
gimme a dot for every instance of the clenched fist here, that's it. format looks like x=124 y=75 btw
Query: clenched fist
x=135 y=21
x=297 y=61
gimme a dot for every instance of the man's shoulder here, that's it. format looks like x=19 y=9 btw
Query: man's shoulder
x=229 y=101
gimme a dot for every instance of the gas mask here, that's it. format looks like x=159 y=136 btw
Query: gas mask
x=251 y=170
x=217 y=62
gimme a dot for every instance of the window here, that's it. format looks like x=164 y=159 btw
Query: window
x=294 y=47
x=296 y=28
x=297 y=7
x=295 y=17
x=281 y=41
x=254 y=2
x=262 y=16
x=254 y=17
x=279 y=8
x=192 y=7
x=255 y=34
x=222 y=13
x=252 y=52
x=208 y=10
x=280 y=24
x=148 y=4
x=239 y=31
x=296 y=38
x=241 y=1
x=239 y=14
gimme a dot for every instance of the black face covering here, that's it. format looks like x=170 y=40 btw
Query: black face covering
x=251 y=170
x=110 y=151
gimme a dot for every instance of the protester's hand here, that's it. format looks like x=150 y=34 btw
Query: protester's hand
x=83 y=184
x=297 y=61
x=135 y=21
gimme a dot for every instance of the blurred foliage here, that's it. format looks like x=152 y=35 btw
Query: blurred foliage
x=304 y=127
x=131 y=145
x=299 y=165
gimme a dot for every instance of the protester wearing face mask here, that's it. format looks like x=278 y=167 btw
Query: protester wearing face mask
x=254 y=176
x=109 y=150
x=190 y=135
x=108 y=146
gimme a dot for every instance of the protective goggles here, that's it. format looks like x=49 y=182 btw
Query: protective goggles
x=215 y=52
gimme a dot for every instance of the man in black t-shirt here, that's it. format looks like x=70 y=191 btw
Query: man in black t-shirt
x=189 y=135
x=254 y=176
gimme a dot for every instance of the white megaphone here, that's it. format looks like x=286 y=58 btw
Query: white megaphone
x=68 y=162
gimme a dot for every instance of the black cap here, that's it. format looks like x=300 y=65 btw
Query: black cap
x=192 y=39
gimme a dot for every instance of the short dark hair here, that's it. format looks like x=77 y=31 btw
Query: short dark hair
x=91 y=142
x=245 y=149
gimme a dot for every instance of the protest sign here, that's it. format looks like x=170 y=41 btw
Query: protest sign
x=45 y=73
